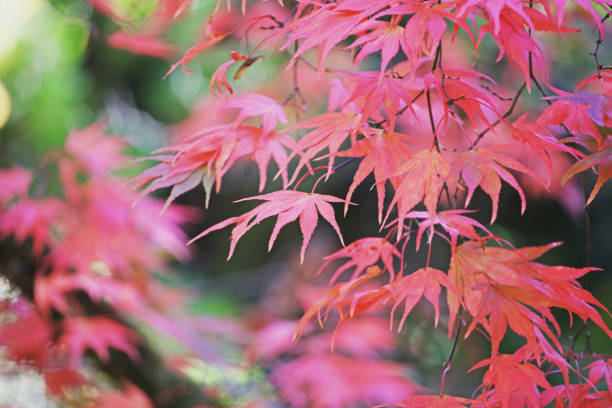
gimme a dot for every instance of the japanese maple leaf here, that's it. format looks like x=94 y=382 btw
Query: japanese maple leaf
x=205 y=157
x=411 y=288
x=539 y=139
x=369 y=96
x=576 y=395
x=600 y=369
x=195 y=50
x=28 y=337
x=423 y=177
x=501 y=287
x=484 y=167
x=252 y=105
x=383 y=36
x=219 y=77
x=330 y=131
x=98 y=334
x=580 y=113
x=288 y=205
x=340 y=297
x=603 y=78
x=509 y=376
x=587 y=5
x=363 y=253
x=424 y=30
x=384 y=153
x=327 y=25
x=468 y=99
x=453 y=222
x=602 y=159
x=32 y=219
x=509 y=29
x=96 y=152
x=431 y=401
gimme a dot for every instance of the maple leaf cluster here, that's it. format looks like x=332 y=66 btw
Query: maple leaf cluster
x=407 y=104
x=92 y=241
x=432 y=131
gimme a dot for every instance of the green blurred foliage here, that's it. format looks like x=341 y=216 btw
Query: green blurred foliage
x=48 y=89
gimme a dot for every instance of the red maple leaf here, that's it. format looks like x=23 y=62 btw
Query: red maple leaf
x=98 y=334
x=195 y=50
x=508 y=377
x=364 y=252
x=423 y=177
x=483 y=167
x=431 y=401
x=601 y=159
x=330 y=131
x=384 y=154
x=411 y=288
x=453 y=222
x=288 y=205
x=383 y=36
x=600 y=369
x=338 y=297
x=205 y=157
x=305 y=382
x=502 y=287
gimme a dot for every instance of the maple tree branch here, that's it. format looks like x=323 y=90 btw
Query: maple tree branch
x=587 y=285
x=295 y=93
x=504 y=116
x=595 y=52
x=498 y=96
x=447 y=364
x=333 y=170
x=541 y=90
x=431 y=120
x=399 y=112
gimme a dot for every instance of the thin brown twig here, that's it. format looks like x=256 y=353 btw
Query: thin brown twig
x=447 y=364
x=504 y=116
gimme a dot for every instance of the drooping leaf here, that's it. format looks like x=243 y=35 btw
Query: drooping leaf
x=338 y=297
x=423 y=177
x=508 y=377
x=207 y=156
x=502 y=287
x=411 y=288
x=484 y=167
x=363 y=253
x=602 y=159
x=453 y=222
x=330 y=131
x=195 y=50
x=600 y=369
x=384 y=154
